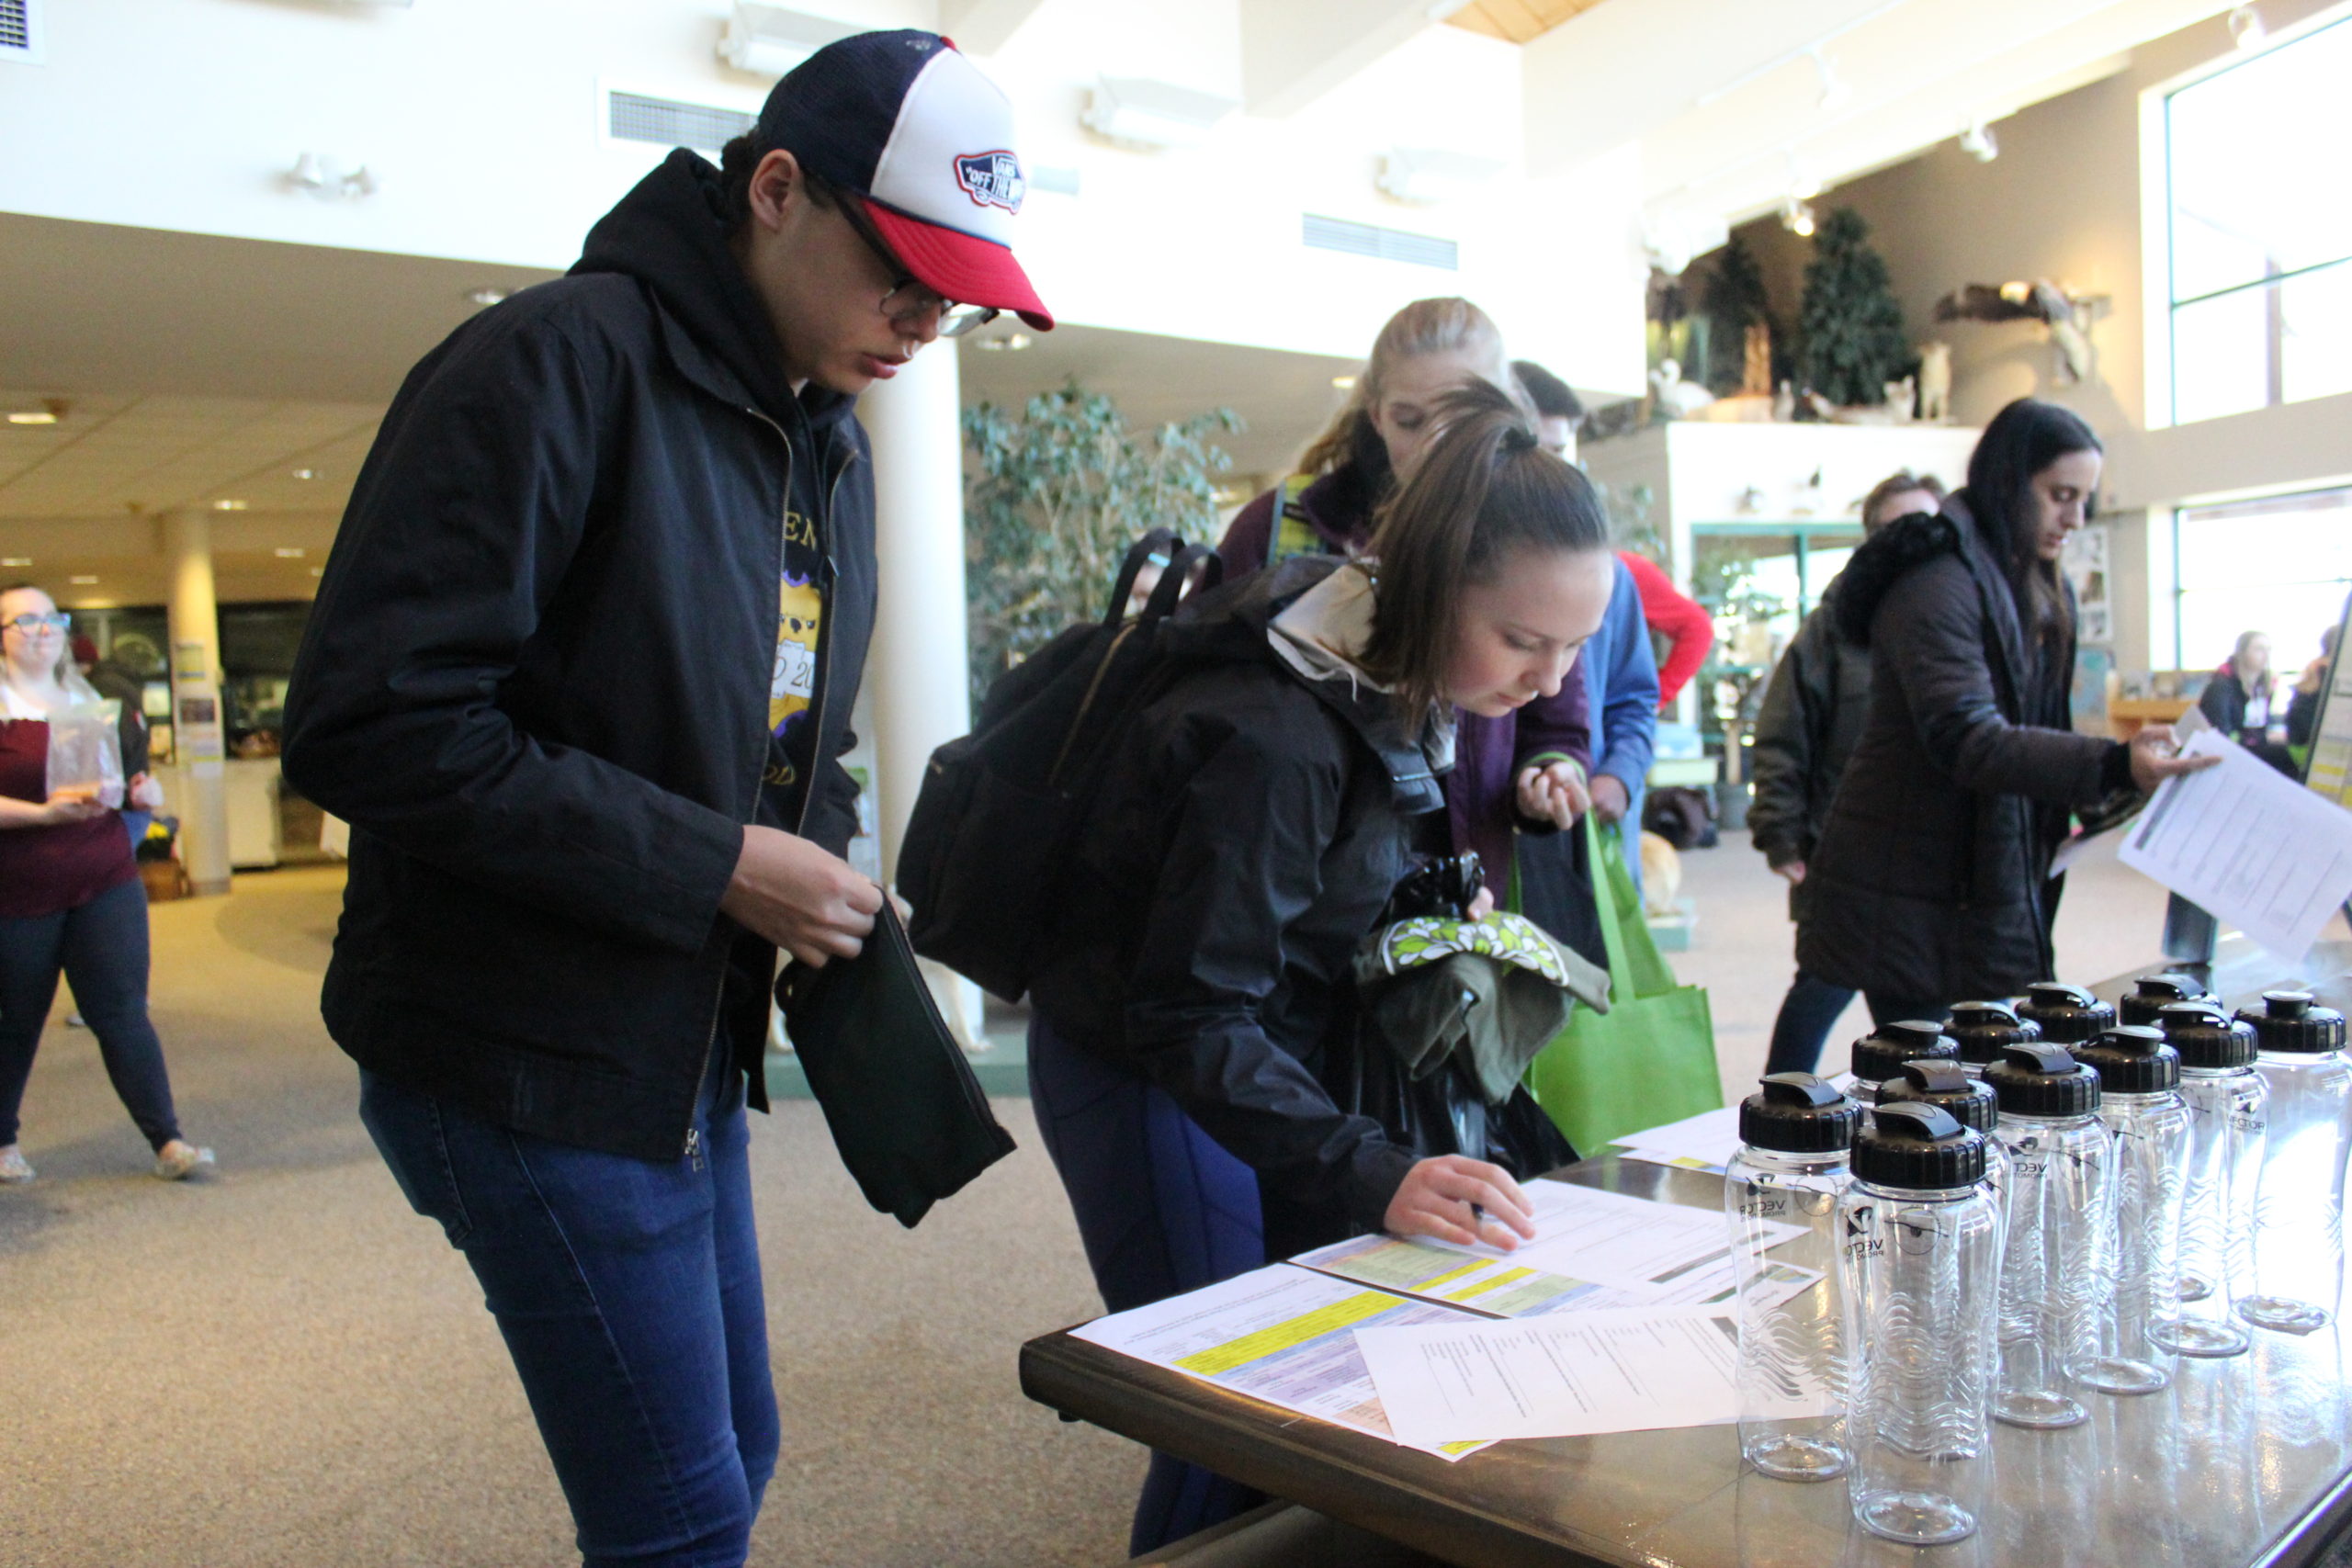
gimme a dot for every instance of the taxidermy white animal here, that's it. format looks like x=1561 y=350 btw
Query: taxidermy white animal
x=2068 y=318
x=1675 y=396
x=1935 y=382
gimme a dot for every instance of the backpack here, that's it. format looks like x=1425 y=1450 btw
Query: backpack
x=994 y=826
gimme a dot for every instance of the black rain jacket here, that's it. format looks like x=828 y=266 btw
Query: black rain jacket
x=1248 y=831
x=1810 y=723
x=1932 y=876
x=535 y=683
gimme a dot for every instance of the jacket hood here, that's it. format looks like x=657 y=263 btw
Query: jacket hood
x=1234 y=624
x=1885 y=557
x=670 y=233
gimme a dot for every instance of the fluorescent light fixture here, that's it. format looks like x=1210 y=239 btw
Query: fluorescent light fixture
x=1015 y=342
x=485 y=296
x=16 y=561
x=1427 y=175
x=1977 y=141
x=1136 y=111
x=226 y=505
x=318 y=571
x=290 y=552
x=39 y=417
x=2246 y=30
x=1345 y=383
x=81 y=581
x=306 y=473
x=769 y=41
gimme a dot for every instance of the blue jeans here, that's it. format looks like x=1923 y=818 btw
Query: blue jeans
x=101 y=948
x=1808 y=1014
x=628 y=1293
x=1162 y=1208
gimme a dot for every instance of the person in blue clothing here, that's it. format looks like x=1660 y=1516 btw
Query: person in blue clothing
x=1620 y=680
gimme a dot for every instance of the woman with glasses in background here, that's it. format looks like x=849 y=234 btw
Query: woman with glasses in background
x=71 y=902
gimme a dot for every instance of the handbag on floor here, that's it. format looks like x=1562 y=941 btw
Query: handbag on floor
x=1650 y=1059
x=905 y=1110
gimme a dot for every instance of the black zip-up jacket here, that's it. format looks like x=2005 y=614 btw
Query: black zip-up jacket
x=1931 y=881
x=535 y=683
x=1249 y=830
x=1810 y=723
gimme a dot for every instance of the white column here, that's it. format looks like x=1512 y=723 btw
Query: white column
x=196 y=718
x=918 y=670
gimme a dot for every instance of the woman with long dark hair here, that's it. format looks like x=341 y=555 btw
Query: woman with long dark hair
x=1200 y=1014
x=1931 y=880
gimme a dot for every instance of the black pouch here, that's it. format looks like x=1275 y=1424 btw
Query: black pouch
x=905 y=1110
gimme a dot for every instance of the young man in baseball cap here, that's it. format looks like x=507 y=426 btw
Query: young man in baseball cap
x=578 y=675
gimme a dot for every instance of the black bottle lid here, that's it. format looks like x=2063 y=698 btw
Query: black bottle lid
x=1981 y=1029
x=2291 y=1021
x=2153 y=992
x=2206 y=1036
x=2041 y=1079
x=1798 y=1113
x=1940 y=1083
x=1881 y=1053
x=1919 y=1147
x=2068 y=1015
x=2131 y=1058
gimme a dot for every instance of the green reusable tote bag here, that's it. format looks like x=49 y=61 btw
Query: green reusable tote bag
x=1650 y=1059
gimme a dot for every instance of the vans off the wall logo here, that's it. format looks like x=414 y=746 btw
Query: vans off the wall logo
x=992 y=179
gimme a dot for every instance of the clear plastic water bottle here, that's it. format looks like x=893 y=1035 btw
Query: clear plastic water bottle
x=2066 y=1015
x=2298 y=1213
x=2060 y=1222
x=2228 y=1103
x=2151 y=994
x=1791 y=1169
x=2139 y=1080
x=1968 y=1100
x=1920 y=1260
x=1981 y=1029
x=1878 y=1055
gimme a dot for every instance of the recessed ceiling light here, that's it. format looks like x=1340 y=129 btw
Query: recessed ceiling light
x=82 y=582
x=306 y=473
x=16 y=561
x=31 y=416
x=225 y=505
x=288 y=552
x=485 y=296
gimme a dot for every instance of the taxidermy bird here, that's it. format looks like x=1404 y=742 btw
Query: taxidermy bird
x=2068 y=318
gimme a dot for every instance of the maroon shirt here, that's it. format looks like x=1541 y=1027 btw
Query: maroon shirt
x=46 y=870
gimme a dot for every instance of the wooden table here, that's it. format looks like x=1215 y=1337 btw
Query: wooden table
x=2244 y=1461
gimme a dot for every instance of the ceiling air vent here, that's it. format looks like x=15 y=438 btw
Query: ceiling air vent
x=1381 y=244
x=21 y=31
x=633 y=117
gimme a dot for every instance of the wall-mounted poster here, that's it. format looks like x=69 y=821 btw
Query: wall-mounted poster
x=2084 y=564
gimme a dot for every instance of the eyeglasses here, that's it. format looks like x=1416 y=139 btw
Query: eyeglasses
x=33 y=625
x=907 y=299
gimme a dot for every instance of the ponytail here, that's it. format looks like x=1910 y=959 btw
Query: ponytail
x=1483 y=491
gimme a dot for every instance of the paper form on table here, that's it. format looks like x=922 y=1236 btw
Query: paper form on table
x=1560 y=1376
x=1283 y=1334
x=1611 y=1239
x=1506 y=1288
x=1705 y=1142
x=2245 y=843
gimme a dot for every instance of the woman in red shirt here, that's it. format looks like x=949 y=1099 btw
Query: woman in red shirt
x=70 y=898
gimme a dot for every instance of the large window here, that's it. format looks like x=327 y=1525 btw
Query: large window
x=2280 y=566
x=2260 y=162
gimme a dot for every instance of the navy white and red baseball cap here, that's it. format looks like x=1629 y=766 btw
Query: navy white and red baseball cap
x=905 y=122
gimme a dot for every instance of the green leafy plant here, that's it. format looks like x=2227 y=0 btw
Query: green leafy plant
x=1735 y=300
x=1062 y=488
x=1852 y=325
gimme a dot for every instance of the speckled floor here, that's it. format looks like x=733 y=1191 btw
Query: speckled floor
x=285 y=1366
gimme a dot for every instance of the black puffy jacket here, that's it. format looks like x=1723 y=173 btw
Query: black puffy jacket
x=535 y=683
x=1248 y=831
x=1931 y=880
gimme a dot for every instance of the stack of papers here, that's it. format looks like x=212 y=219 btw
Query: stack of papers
x=1294 y=1333
x=1705 y=1142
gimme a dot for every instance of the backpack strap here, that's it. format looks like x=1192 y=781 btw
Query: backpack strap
x=1293 y=534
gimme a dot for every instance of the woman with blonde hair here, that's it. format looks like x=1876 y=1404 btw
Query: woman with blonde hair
x=71 y=903
x=1525 y=771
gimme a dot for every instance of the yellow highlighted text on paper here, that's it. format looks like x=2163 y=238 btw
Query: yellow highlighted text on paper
x=1282 y=1336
